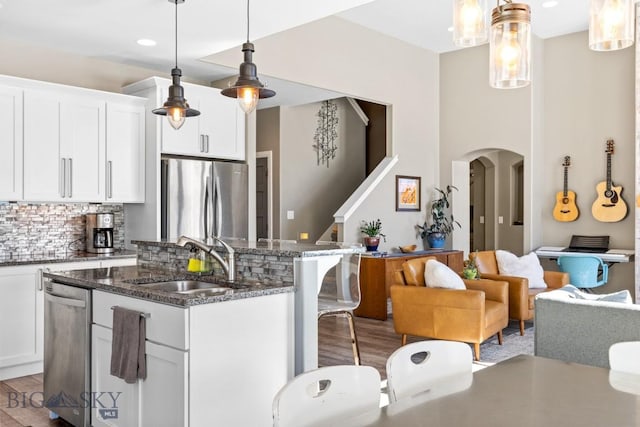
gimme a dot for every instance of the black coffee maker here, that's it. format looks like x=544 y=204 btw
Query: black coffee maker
x=99 y=233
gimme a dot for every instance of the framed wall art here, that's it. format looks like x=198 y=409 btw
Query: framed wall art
x=407 y=193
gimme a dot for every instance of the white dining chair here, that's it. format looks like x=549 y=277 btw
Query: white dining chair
x=339 y=295
x=625 y=357
x=328 y=396
x=417 y=367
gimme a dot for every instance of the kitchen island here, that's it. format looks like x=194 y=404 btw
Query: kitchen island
x=210 y=355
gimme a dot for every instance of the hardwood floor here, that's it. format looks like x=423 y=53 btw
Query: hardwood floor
x=21 y=404
x=376 y=338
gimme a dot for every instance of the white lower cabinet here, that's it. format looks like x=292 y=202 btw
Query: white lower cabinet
x=21 y=329
x=210 y=364
x=22 y=311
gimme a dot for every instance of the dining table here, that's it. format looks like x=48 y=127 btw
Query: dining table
x=523 y=391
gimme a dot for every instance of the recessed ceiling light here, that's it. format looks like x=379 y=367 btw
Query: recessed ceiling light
x=450 y=29
x=550 y=3
x=146 y=42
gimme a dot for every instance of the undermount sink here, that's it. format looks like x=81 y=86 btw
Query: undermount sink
x=188 y=287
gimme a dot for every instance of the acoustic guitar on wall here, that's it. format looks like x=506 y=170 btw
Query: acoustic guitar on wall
x=609 y=206
x=565 y=209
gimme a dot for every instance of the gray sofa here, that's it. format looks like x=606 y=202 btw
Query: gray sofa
x=581 y=331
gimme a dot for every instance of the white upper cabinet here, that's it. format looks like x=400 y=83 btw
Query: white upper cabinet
x=10 y=143
x=56 y=146
x=82 y=145
x=64 y=146
x=218 y=132
x=44 y=177
x=125 y=152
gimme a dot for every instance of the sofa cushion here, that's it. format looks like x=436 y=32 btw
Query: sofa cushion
x=438 y=275
x=527 y=266
x=620 y=296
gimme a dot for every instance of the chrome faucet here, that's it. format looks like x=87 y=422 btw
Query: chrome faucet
x=228 y=266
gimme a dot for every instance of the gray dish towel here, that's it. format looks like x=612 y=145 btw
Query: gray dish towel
x=127 y=347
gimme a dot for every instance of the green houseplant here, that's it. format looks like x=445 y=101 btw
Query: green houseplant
x=470 y=268
x=441 y=222
x=372 y=231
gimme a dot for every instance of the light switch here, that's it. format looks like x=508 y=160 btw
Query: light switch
x=290 y=215
x=481 y=219
x=500 y=220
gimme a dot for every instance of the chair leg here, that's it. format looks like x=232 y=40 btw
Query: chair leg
x=522 y=327
x=500 y=337
x=404 y=339
x=354 y=339
x=476 y=351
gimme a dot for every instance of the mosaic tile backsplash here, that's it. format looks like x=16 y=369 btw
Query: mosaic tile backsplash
x=27 y=229
x=248 y=266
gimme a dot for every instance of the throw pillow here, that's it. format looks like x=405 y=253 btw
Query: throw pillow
x=438 y=275
x=527 y=266
x=620 y=296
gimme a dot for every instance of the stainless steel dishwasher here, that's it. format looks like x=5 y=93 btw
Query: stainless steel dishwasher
x=67 y=352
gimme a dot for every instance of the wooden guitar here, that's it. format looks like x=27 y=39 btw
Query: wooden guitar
x=566 y=209
x=609 y=206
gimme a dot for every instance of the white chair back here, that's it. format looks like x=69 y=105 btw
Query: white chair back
x=418 y=367
x=327 y=395
x=625 y=357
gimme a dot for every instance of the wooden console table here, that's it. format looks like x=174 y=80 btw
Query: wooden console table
x=376 y=276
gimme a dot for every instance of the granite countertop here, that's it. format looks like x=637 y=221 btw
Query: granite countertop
x=128 y=280
x=13 y=259
x=272 y=248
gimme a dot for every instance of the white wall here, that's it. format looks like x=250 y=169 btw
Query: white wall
x=334 y=54
x=314 y=191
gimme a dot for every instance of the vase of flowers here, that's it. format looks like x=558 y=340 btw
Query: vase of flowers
x=372 y=232
x=441 y=223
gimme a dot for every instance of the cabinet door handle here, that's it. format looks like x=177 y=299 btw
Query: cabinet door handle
x=109 y=179
x=69 y=177
x=61 y=177
x=40 y=278
x=207 y=136
x=202 y=143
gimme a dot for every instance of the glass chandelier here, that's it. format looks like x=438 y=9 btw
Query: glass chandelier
x=469 y=22
x=510 y=46
x=610 y=24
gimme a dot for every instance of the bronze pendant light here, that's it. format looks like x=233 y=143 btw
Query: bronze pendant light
x=176 y=107
x=248 y=88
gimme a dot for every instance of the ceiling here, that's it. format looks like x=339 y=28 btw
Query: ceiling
x=109 y=29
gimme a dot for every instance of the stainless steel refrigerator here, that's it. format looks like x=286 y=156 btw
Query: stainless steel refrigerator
x=204 y=198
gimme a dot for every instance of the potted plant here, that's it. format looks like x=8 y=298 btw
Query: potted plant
x=470 y=268
x=442 y=223
x=372 y=230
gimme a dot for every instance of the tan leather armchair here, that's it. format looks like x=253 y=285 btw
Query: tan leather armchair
x=470 y=315
x=521 y=298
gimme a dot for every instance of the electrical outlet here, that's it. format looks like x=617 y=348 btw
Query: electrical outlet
x=481 y=219
x=291 y=215
x=500 y=220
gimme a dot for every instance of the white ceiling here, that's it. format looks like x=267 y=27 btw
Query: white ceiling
x=108 y=29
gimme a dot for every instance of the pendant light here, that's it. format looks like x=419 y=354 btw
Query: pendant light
x=510 y=46
x=610 y=24
x=176 y=107
x=248 y=88
x=469 y=22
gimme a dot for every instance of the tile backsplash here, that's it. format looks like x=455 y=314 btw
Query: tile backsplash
x=56 y=227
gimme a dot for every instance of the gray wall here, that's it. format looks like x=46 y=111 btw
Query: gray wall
x=268 y=139
x=589 y=97
x=314 y=191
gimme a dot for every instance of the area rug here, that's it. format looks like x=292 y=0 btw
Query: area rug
x=513 y=344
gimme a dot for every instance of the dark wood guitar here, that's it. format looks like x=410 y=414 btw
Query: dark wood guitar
x=566 y=209
x=609 y=206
